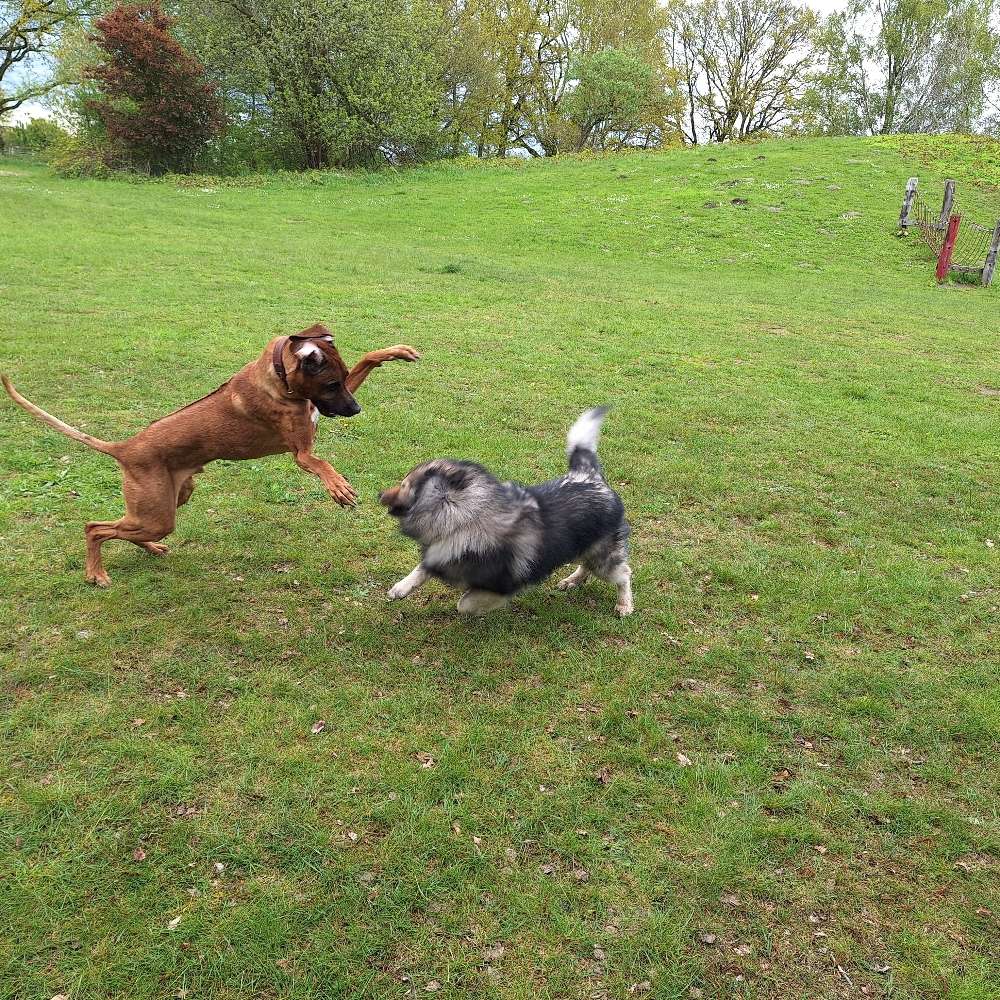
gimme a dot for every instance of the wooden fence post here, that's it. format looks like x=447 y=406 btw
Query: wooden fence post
x=949 y=200
x=991 y=258
x=904 y=213
x=944 y=259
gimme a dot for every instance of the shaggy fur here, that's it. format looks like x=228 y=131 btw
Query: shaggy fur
x=491 y=539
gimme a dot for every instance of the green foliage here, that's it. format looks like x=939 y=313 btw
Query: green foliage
x=37 y=135
x=348 y=82
x=617 y=101
x=78 y=156
x=904 y=66
x=805 y=437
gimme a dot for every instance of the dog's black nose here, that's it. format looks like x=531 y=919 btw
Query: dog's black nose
x=350 y=409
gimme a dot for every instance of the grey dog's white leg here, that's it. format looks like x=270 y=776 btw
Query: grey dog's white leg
x=575 y=579
x=621 y=577
x=417 y=577
x=478 y=602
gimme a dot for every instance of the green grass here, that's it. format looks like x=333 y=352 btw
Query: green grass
x=805 y=436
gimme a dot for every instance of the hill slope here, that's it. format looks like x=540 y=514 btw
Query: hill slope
x=779 y=776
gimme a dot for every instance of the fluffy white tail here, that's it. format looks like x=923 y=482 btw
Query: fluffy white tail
x=581 y=441
x=586 y=431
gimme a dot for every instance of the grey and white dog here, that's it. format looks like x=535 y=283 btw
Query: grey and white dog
x=491 y=539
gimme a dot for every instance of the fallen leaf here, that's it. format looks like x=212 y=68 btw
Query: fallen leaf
x=581 y=874
x=283 y=963
x=173 y=923
x=599 y=954
x=317 y=727
x=819 y=848
x=138 y=854
x=683 y=759
x=136 y=723
x=603 y=776
x=218 y=867
x=426 y=760
x=730 y=899
x=644 y=987
x=742 y=949
x=433 y=986
x=707 y=938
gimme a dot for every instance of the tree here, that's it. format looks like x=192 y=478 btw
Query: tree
x=742 y=65
x=154 y=100
x=27 y=29
x=618 y=101
x=529 y=56
x=904 y=66
x=346 y=82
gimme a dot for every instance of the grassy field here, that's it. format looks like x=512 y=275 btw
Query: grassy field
x=778 y=779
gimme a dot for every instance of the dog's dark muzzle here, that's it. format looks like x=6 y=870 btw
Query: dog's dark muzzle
x=342 y=406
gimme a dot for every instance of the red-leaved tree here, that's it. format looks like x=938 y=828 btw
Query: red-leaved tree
x=154 y=101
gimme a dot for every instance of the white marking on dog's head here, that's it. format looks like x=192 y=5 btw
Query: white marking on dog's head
x=306 y=350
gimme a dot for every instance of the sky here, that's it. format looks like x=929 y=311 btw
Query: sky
x=32 y=109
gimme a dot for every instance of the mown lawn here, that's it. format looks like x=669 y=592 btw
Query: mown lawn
x=778 y=779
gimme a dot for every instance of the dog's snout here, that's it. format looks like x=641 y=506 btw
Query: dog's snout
x=391 y=499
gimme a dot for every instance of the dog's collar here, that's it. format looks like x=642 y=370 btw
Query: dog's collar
x=279 y=365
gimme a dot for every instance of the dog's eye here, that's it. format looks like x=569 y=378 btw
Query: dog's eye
x=333 y=386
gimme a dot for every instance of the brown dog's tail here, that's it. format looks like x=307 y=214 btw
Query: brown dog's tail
x=107 y=447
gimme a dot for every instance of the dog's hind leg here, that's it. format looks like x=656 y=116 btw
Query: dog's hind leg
x=577 y=578
x=621 y=577
x=417 y=577
x=608 y=559
x=150 y=514
x=184 y=491
x=478 y=602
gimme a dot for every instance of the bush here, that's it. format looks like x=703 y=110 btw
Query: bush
x=76 y=157
x=39 y=134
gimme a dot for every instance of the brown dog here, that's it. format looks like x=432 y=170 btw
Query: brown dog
x=270 y=406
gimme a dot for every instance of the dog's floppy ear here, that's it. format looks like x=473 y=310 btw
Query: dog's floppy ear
x=316 y=332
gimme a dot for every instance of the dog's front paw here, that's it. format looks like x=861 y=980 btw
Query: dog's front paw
x=342 y=491
x=399 y=590
x=398 y=352
x=624 y=608
x=576 y=579
x=99 y=578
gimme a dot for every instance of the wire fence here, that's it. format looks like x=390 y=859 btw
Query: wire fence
x=974 y=251
x=927 y=222
x=971 y=246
